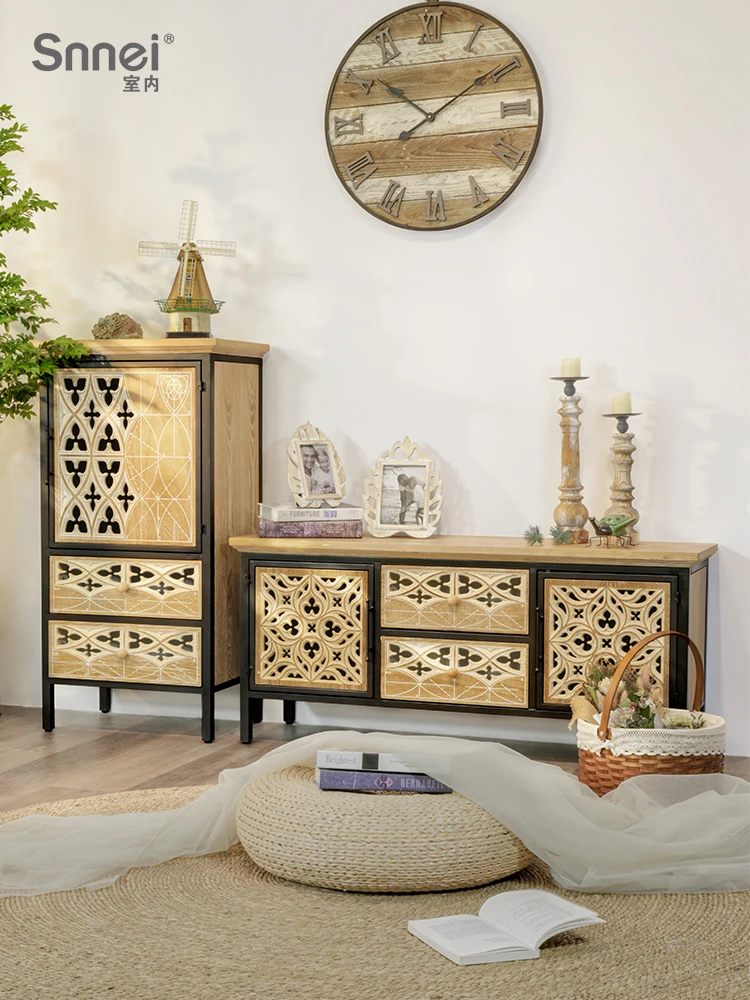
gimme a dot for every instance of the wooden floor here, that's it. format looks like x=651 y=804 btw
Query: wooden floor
x=93 y=754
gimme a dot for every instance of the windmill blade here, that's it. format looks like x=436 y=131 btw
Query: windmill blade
x=217 y=247
x=188 y=220
x=158 y=249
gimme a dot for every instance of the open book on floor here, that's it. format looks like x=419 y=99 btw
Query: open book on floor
x=510 y=926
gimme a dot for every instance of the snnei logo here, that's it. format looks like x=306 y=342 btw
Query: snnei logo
x=132 y=56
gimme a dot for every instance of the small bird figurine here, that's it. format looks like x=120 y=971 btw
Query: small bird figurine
x=614 y=525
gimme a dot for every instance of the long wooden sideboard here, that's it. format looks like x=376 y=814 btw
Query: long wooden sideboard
x=457 y=623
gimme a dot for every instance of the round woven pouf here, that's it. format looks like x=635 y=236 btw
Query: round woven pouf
x=372 y=843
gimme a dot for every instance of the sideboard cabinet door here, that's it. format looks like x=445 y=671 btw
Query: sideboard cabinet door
x=586 y=618
x=125 y=456
x=312 y=629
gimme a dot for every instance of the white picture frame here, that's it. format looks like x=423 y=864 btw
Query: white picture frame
x=403 y=494
x=314 y=469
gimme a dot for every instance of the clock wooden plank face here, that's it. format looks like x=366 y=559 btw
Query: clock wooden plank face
x=434 y=116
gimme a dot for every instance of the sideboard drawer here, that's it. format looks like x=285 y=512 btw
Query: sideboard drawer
x=150 y=588
x=455 y=599
x=455 y=672
x=311 y=629
x=105 y=651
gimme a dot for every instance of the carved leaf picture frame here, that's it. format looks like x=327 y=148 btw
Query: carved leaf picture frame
x=316 y=475
x=403 y=494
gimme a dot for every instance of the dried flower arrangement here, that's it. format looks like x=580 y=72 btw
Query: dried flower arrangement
x=640 y=704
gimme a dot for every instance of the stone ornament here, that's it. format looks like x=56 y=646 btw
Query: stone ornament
x=117 y=326
x=403 y=494
x=316 y=475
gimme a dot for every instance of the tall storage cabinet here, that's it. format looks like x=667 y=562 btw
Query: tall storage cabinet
x=150 y=455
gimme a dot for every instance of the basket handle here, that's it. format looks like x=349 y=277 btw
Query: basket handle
x=604 y=732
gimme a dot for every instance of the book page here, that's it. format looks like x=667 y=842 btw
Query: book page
x=464 y=934
x=533 y=915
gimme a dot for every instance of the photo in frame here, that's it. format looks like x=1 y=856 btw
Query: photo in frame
x=403 y=494
x=316 y=475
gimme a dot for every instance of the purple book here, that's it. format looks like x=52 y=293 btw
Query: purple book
x=377 y=781
x=310 y=529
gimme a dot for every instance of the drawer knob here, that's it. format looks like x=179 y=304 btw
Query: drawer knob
x=123 y=587
x=453 y=601
x=122 y=654
x=452 y=673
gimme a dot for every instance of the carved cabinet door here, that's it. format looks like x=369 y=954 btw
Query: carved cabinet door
x=589 y=619
x=125 y=456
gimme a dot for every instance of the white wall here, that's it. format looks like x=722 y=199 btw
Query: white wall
x=626 y=243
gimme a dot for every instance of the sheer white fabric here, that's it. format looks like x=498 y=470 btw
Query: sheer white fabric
x=652 y=834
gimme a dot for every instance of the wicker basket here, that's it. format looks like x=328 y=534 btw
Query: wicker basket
x=372 y=843
x=607 y=757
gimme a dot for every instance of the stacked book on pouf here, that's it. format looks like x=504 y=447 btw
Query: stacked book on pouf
x=355 y=771
x=279 y=520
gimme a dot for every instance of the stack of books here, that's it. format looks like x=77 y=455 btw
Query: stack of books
x=279 y=520
x=355 y=771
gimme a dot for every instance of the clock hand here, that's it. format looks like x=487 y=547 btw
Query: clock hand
x=476 y=83
x=400 y=94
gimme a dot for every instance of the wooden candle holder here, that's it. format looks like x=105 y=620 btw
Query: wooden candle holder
x=622 y=490
x=571 y=514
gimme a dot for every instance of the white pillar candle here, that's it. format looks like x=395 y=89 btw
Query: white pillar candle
x=622 y=403
x=571 y=368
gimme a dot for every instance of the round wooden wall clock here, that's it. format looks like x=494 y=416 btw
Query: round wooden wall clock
x=434 y=116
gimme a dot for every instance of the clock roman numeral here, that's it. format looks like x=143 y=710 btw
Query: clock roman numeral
x=387 y=46
x=435 y=206
x=366 y=85
x=517 y=108
x=507 y=68
x=470 y=44
x=432 y=28
x=510 y=156
x=480 y=196
x=349 y=126
x=360 y=169
x=391 y=200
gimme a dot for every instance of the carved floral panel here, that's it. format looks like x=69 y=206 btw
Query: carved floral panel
x=459 y=600
x=145 y=655
x=125 y=456
x=152 y=588
x=587 y=619
x=311 y=628
x=487 y=673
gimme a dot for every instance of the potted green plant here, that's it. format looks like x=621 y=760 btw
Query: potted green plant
x=25 y=364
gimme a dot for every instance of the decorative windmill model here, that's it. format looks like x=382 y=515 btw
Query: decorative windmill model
x=190 y=303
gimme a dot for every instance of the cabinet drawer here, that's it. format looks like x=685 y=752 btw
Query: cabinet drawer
x=105 y=651
x=151 y=588
x=455 y=672
x=455 y=599
x=311 y=629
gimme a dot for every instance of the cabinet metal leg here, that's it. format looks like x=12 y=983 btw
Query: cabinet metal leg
x=207 y=715
x=105 y=700
x=290 y=712
x=48 y=706
x=256 y=709
x=246 y=722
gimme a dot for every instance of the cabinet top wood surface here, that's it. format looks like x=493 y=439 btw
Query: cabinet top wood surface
x=478 y=549
x=174 y=347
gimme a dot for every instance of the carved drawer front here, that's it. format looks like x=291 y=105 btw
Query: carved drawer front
x=311 y=629
x=471 y=673
x=125 y=456
x=455 y=599
x=588 y=619
x=151 y=588
x=108 y=652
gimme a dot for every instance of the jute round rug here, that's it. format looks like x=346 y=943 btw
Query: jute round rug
x=218 y=927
